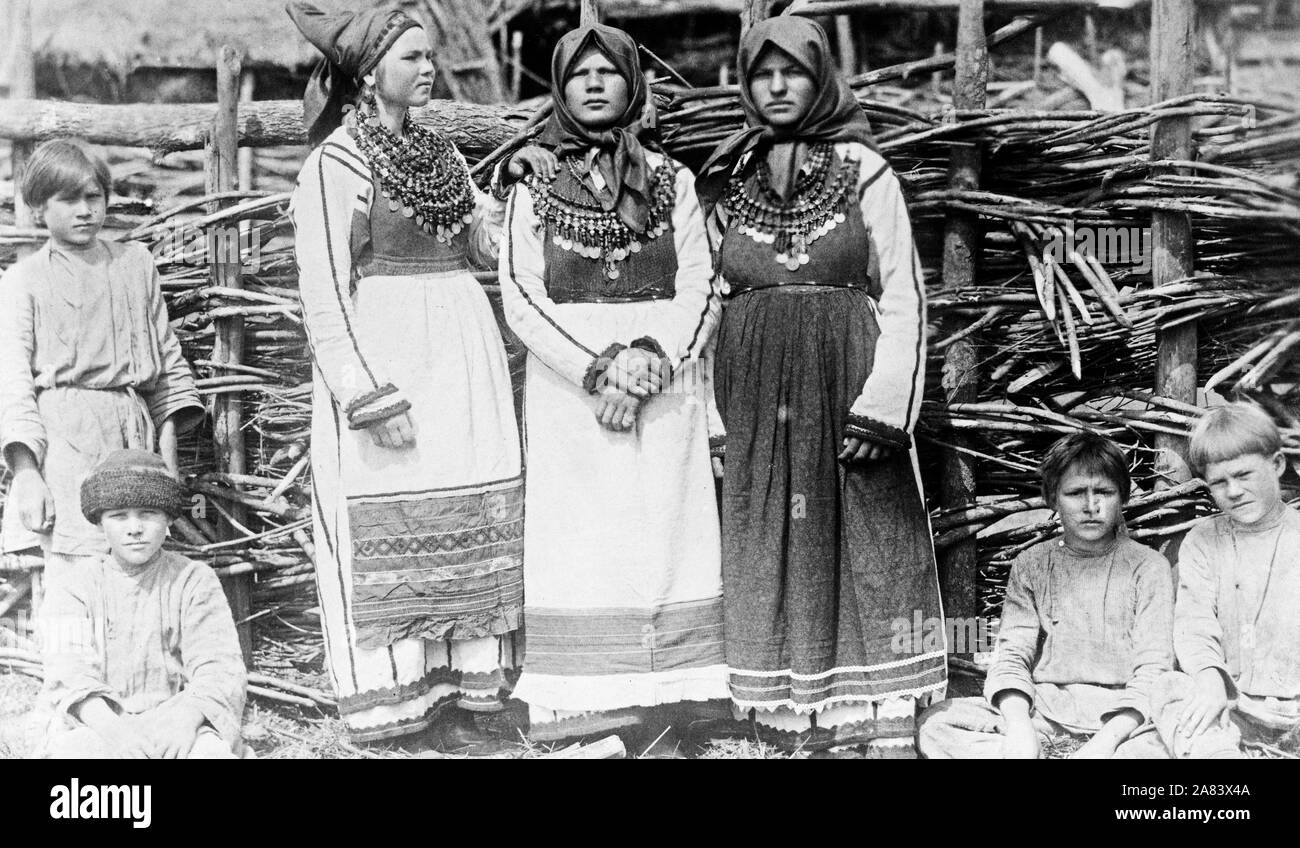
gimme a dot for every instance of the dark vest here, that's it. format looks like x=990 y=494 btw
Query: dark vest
x=649 y=274
x=386 y=243
x=841 y=258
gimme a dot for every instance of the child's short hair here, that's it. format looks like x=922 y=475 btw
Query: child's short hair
x=1230 y=431
x=60 y=166
x=1093 y=453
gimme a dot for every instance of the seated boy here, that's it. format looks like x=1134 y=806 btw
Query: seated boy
x=1236 y=631
x=141 y=656
x=1086 y=629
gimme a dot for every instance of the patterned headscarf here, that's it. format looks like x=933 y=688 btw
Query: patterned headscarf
x=618 y=152
x=353 y=43
x=833 y=116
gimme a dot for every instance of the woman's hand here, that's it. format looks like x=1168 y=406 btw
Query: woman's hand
x=395 y=432
x=32 y=498
x=538 y=160
x=863 y=450
x=635 y=372
x=617 y=410
x=717 y=467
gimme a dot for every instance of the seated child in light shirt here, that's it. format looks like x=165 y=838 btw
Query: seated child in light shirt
x=1236 y=627
x=1085 y=633
x=141 y=655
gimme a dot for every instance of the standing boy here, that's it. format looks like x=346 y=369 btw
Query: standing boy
x=1236 y=631
x=141 y=655
x=1085 y=629
x=88 y=361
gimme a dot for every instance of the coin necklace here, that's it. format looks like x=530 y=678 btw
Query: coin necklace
x=419 y=174
x=580 y=224
x=820 y=202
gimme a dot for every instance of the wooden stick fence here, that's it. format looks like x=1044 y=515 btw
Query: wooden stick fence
x=1060 y=342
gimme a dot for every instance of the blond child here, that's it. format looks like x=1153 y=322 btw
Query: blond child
x=1085 y=630
x=1236 y=632
x=88 y=362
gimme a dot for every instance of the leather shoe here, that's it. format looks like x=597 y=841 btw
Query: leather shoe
x=458 y=733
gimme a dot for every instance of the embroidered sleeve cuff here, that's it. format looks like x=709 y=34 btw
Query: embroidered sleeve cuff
x=375 y=406
x=718 y=446
x=80 y=694
x=185 y=408
x=32 y=438
x=650 y=345
x=998 y=684
x=592 y=379
x=861 y=427
x=1138 y=702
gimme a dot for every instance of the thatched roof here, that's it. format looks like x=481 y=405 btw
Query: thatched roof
x=129 y=34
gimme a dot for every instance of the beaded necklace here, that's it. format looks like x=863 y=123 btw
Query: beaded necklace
x=419 y=174
x=581 y=225
x=818 y=205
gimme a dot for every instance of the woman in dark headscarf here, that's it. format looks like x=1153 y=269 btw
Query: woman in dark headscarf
x=606 y=277
x=819 y=369
x=418 y=498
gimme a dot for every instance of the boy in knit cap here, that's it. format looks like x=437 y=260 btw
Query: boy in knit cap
x=140 y=649
x=1236 y=632
x=1085 y=634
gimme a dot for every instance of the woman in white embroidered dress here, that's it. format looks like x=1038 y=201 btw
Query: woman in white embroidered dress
x=418 y=498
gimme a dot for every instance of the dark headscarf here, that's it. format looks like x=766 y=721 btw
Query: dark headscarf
x=619 y=155
x=834 y=115
x=353 y=44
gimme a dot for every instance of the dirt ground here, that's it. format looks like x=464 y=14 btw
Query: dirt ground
x=278 y=732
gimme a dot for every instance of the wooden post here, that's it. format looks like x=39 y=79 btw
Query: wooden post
x=1172 y=31
x=961 y=238
x=247 y=162
x=22 y=85
x=516 y=65
x=755 y=11
x=848 y=50
x=1090 y=36
x=1038 y=55
x=221 y=167
x=589 y=12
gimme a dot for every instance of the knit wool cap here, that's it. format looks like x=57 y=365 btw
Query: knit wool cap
x=131 y=479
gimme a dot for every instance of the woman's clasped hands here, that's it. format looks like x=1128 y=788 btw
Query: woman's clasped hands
x=630 y=378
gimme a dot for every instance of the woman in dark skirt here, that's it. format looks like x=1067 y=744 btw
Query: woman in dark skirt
x=819 y=365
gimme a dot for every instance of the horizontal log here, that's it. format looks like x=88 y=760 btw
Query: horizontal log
x=475 y=129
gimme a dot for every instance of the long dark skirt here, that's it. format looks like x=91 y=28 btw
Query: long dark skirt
x=827 y=567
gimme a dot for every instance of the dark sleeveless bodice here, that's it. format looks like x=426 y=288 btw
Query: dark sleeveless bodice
x=648 y=274
x=840 y=258
x=386 y=243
